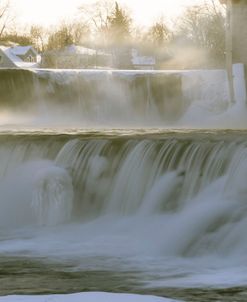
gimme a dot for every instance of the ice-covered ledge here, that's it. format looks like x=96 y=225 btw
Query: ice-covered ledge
x=239 y=84
x=177 y=98
x=86 y=297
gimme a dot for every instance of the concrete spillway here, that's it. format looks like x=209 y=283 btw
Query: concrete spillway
x=113 y=98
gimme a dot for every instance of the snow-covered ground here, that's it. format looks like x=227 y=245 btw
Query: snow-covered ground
x=86 y=297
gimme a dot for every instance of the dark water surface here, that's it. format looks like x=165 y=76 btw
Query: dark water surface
x=33 y=277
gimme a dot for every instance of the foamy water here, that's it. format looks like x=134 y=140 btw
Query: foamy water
x=101 y=99
x=146 y=208
x=170 y=212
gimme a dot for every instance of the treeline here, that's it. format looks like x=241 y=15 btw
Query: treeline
x=195 y=39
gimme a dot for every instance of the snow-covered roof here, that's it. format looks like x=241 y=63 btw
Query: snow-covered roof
x=75 y=49
x=141 y=60
x=13 y=58
x=8 y=51
x=27 y=64
x=22 y=50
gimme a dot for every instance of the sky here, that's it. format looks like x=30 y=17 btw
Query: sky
x=51 y=12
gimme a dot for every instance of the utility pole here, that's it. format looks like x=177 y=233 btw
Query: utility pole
x=239 y=47
x=236 y=44
x=229 y=49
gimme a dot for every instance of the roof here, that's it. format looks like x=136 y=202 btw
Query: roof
x=142 y=60
x=75 y=49
x=22 y=50
x=11 y=55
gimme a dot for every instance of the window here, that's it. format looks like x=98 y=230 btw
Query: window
x=30 y=58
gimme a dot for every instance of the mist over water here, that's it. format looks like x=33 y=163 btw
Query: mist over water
x=164 y=207
x=118 y=99
x=173 y=210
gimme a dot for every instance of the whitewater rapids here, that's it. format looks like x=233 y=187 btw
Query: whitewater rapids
x=171 y=209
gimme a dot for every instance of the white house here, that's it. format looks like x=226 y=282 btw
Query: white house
x=74 y=56
x=18 y=57
x=142 y=62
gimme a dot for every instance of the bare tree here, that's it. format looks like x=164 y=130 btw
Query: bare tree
x=96 y=16
x=159 y=33
x=68 y=33
x=204 y=27
x=111 y=28
x=60 y=38
x=80 y=32
x=16 y=38
x=38 y=35
x=5 y=16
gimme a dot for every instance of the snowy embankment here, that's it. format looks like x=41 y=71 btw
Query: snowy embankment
x=86 y=297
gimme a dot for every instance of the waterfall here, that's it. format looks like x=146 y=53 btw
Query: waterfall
x=97 y=177
x=113 y=98
x=174 y=202
x=123 y=177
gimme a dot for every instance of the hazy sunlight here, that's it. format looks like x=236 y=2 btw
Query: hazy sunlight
x=48 y=12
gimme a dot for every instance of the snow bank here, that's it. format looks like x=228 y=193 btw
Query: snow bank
x=86 y=297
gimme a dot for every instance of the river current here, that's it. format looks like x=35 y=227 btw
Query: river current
x=142 y=211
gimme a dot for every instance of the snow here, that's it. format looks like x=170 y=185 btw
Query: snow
x=86 y=297
x=8 y=52
x=141 y=60
x=22 y=50
x=75 y=49
x=12 y=52
x=23 y=64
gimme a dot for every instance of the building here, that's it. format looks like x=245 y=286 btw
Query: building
x=25 y=53
x=76 y=57
x=18 y=57
x=142 y=62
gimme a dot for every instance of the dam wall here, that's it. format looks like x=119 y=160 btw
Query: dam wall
x=102 y=96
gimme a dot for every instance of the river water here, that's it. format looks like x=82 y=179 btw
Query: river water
x=144 y=211
x=122 y=181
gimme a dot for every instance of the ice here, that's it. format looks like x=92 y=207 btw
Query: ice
x=86 y=297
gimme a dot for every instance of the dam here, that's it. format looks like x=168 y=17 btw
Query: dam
x=63 y=98
x=125 y=181
x=110 y=174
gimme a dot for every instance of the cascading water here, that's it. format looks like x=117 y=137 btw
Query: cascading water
x=150 y=208
x=117 y=99
x=90 y=98
x=154 y=205
x=123 y=177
